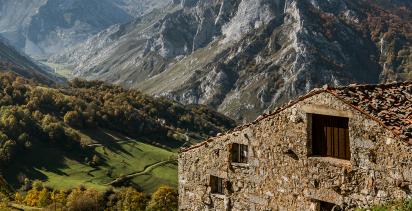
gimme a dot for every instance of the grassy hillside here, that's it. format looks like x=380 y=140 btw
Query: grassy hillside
x=94 y=134
x=65 y=170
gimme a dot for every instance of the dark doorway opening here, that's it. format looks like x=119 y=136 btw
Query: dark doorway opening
x=326 y=206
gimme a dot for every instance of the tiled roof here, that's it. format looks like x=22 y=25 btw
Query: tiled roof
x=388 y=104
x=391 y=104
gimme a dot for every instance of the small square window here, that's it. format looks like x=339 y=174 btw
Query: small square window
x=239 y=153
x=330 y=136
x=216 y=184
x=326 y=206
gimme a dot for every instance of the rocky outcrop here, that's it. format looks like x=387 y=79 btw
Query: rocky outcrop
x=244 y=57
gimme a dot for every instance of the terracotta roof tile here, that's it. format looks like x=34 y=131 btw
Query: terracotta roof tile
x=391 y=104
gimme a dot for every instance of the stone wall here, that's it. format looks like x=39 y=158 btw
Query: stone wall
x=281 y=174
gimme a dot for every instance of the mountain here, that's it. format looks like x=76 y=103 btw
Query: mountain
x=41 y=28
x=243 y=57
x=14 y=61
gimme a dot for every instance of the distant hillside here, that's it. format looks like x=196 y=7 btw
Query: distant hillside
x=95 y=134
x=13 y=60
x=44 y=27
x=244 y=57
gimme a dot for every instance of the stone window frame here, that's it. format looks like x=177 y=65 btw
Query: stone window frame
x=327 y=111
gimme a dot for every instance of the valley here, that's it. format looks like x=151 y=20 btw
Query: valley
x=98 y=97
x=118 y=158
x=89 y=135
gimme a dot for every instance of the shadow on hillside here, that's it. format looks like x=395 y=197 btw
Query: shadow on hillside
x=107 y=139
x=162 y=142
x=40 y=158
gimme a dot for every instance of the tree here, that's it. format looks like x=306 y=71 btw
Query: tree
x=73 y=118
x=131 y=200
x=18 y=198
x=59 y=196
x=164 y=199
x=95 y=160
x=44 y=198
x=32 y=197
x=84 y=200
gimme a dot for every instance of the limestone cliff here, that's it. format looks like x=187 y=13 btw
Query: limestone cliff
x=245 y=56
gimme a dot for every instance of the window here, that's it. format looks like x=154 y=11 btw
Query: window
x=216 y=184
x=330 y=136
x=239 y=153
x=326 y=206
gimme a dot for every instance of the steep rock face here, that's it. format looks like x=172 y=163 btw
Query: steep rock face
x=44 y=27
x=14 y=61
x=245 y=56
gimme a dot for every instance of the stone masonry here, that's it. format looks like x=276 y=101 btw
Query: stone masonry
x=282 y=174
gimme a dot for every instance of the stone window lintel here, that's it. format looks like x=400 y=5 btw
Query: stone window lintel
x=332 y=160
x=324 y=110
x=240 y=165
x=218 y=196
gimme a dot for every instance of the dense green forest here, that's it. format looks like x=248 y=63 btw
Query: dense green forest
x=93 y=134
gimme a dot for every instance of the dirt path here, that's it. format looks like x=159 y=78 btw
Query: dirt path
x=146 y=169
x=23 y=207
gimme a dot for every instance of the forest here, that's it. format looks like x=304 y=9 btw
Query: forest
x=34 y=116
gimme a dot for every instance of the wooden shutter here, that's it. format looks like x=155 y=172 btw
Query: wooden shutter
x=239 y=153
x=235 y=153
x=216 y=184
x=243 y=153
x=330 y=136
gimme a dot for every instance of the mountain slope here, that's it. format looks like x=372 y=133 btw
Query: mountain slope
x=41 y=28
x=14 y=61
x=92 y=133
x=244 y=57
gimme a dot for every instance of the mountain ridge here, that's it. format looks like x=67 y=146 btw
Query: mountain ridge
x=244 y=57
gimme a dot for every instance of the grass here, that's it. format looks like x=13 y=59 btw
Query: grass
x=182 y=70
x=65 y=170
x=62 y=70
x=391 y=206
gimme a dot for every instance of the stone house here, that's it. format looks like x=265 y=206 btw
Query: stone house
x=332 y=149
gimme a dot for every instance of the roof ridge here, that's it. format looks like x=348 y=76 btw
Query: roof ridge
x=355 y=85
x=325 y=89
